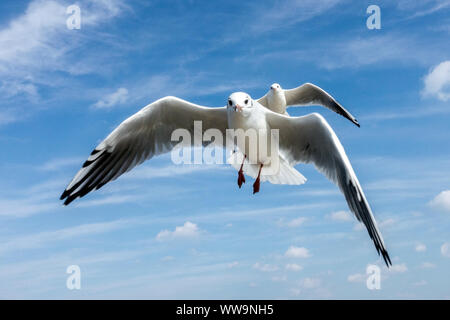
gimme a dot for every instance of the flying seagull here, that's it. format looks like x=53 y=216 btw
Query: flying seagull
x=305 y=139
x=277 y=99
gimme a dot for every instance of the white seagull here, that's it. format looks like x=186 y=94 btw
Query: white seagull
x=278 y=99
x=305 y=139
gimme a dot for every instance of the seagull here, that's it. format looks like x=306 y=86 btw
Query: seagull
x=277 y=99
x=305 y=139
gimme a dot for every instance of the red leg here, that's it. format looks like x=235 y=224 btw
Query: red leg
x=241 y=177
x=257 y=181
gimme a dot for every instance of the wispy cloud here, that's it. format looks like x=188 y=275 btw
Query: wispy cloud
x=398 y=268
x=60 y=163
x=40 y=34
x=357 y=52
x=357 y=277
x=44 y=238
x=149 y=172
x=427 y=265
x=7 y=116
x=294 y=267
x=297 y=222
x=286 y=13
x=118 y=97
x=341 y=216
x=422 y=8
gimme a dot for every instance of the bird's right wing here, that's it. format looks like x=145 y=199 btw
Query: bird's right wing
x=311 y=139
x=143 y=135
x=310 y=94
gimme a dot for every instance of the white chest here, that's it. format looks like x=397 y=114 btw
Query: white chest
x=251 y=133
x=277 y=102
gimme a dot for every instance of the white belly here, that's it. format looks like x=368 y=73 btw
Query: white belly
x=277 y=103
x=252 y=136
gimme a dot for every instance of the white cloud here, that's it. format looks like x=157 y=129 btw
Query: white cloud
x=37 y=43
x=427 y=265
x=292 y=223
x=232 y=264
x=445 y=249
x=357 y=277
x=279 y=278
x=150 y=172
x=288 y=13
x=265 y=267
x=399 y=268
x=437 y=81
x=387 y=223
x=120 y=96
x=18 y=87
x=59 y=163
x=341 y=216
x=295 y=291
x=293 y=267
x=420 y=247
x=359 y=226
x=297 y=252
x=422 y=8
x=296 y=222
x=7 y=117
x=420 y=283
x=441 y=201
x=188 y=230
x=167 y=258
x=310 y=283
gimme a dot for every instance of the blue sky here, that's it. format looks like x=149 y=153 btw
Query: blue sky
x=166 y=231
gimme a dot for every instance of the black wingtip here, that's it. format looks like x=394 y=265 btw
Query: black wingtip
x=63 y=195
x=386 y=258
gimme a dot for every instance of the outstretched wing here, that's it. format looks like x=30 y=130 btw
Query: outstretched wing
x=311 y=139
x=309 y=94
x=140 y=137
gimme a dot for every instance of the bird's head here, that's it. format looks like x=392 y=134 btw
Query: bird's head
x=240 y=102
x=275 y=88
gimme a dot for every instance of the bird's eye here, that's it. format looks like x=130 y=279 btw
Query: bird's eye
x=229 y=103
x=246 y=101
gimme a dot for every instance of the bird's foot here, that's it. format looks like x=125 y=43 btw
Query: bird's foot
x=256 y=186
x=241 y=178
x=257 y=181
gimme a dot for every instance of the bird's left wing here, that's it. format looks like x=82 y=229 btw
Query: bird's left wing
x=311 y=139
x=143 y=135
x=310 y=94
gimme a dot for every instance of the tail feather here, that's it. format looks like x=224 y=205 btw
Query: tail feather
x=283 y=173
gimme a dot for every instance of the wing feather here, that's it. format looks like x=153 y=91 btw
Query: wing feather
x=140 y=137
x=310 y=139
x=309 y=94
